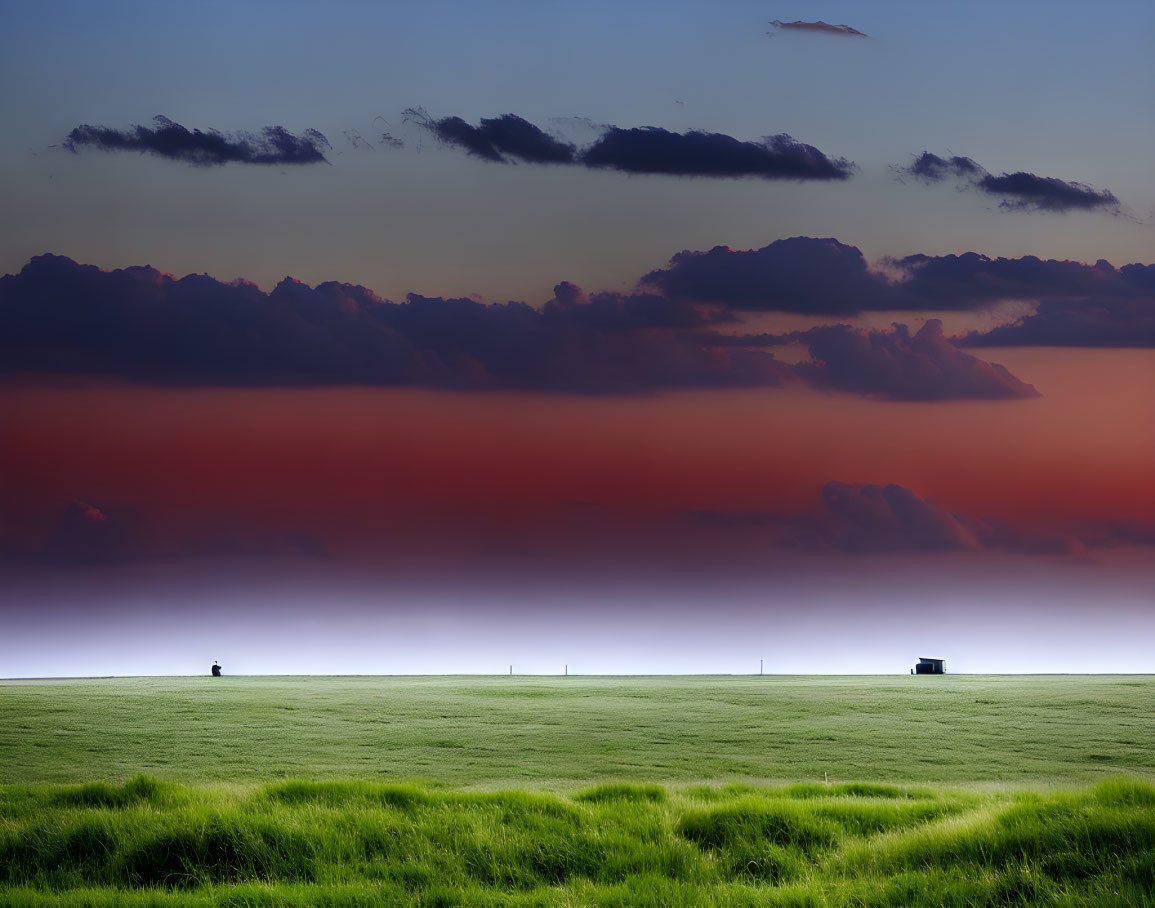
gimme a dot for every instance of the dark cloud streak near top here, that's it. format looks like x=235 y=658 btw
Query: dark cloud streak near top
x=640 y=150
x=274 y=144
x=650 y=150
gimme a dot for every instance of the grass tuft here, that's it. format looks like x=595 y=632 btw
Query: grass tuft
x=622 y=791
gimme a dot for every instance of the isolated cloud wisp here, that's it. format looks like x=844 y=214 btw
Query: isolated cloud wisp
x=930 y=168
x=1019 y=191
x=821 y=27
x=1027 y=192
x=273 y=145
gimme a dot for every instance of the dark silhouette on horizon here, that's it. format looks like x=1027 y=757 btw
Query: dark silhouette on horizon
x=216 y=669
x=929 y=667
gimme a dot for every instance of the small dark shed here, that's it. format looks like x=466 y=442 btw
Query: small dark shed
x=930 y=666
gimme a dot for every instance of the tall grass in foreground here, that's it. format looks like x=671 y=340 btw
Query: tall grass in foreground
x=359 y=843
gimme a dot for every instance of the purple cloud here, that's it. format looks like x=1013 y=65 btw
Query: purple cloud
x=900 y=366
x=1075 y=323
x=641 y=150
x=1019 y=191
x=273 y=145
x=651 y=150
x=821 y=27
x=140 y=324
x=815 y=276
x=498 y=139
x=869 y=519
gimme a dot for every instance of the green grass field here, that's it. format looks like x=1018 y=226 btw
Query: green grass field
x=573 y=791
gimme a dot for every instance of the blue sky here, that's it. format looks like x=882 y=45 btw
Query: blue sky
x=1056 y=89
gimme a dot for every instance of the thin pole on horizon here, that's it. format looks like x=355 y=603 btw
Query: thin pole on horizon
x=760 y=668
x=511 y=671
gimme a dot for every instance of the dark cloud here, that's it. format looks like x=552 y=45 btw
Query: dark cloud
x=874 y=519
x=932 y=169
x=825 y=277
x=1076 y=323
x=1019 y=191
x=651 y=150
x=971 y=279
x=900 y=366
x=498 y=139
x=273 y=145
x=1028 y=192
x=821 y=27
x=139 y=324
x=800 y=274
x=643 y=150
x=142 y=325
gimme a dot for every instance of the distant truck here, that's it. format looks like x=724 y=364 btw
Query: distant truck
x=929 y=667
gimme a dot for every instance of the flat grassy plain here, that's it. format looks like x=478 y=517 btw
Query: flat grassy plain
x=958 y=790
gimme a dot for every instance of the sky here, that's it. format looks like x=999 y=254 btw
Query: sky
x=444 y=337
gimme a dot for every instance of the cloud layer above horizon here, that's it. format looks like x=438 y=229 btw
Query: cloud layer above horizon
x=140 y=324
x=855 y=518
x=1078 y=304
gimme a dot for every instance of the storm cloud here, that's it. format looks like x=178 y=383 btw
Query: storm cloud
x=822 y=276
x=142 y=325
x=800 y=274
x=639 y=150
x=273 y=145
x=1019 y=191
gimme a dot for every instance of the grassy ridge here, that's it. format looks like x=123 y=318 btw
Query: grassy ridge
x=495 y=732
x=360 y=843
